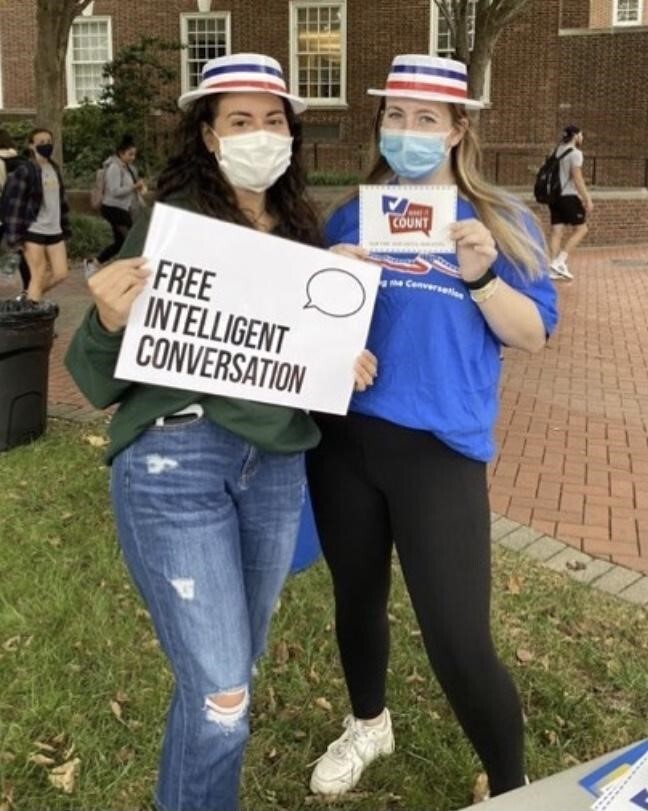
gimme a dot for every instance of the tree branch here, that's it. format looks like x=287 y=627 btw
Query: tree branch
x=503 y=11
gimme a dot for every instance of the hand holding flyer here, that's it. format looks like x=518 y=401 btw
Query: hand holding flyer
x=407 y=219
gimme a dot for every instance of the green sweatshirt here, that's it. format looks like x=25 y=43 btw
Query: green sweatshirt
x=91 y=360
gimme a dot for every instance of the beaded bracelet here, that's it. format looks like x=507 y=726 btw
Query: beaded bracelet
x=482 y=294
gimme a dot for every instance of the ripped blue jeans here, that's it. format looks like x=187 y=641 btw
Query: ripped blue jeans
x=207 y=526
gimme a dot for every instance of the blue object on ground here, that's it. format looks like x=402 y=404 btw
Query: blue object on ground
x=307 y=551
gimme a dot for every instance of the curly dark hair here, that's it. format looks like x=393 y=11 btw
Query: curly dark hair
x=195 y=169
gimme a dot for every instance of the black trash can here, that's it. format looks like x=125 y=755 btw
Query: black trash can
x=26 y=333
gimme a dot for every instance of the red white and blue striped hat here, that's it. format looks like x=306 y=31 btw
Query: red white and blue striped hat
x=242 y=73
x=430 y=78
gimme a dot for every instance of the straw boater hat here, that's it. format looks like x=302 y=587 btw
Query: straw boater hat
x=242 y=73
x=430 y=78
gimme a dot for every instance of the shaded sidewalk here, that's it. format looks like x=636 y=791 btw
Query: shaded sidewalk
x=573 y=426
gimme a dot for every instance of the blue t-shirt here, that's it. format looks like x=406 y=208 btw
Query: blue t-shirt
x=438 y=360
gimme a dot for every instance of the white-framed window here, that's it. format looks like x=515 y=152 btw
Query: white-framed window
x=318 y=51
x=205 y=36
x=627 y=12
x=442 y=43
x=89 y=48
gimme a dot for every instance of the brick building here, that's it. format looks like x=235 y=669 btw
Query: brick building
x=581 y=61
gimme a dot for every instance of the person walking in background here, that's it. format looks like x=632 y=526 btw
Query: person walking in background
x=35 y=215
x=9 y=161
x=209 y=535
x=122 y=199
x=574 y=205
x=9 y=158
x=407 y=466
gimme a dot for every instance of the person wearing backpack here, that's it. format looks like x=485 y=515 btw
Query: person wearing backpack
x=573 y=204
x=121 y=199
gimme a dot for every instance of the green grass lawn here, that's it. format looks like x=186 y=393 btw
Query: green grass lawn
x=84 y=685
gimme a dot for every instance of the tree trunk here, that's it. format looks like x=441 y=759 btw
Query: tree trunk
x=53 y=22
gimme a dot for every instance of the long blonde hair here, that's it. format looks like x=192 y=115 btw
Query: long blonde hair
x=501 y=212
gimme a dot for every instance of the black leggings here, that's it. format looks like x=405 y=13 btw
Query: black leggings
x=374 y=484
x=120 y=222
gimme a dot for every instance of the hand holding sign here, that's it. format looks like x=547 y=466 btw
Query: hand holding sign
x=261 y=318
x=476 y=249
x=115 y=288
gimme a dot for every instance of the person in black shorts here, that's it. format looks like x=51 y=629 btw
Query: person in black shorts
x=574 y=205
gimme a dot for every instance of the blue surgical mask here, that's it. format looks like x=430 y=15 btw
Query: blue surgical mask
x=413 y=155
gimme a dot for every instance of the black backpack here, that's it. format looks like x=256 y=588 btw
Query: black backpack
x=547 y=187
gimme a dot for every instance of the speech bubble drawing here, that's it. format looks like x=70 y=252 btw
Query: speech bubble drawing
x=335 y=292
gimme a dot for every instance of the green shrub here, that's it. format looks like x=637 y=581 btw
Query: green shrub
x=89 y=235
x=90 y=134
x=19 y=129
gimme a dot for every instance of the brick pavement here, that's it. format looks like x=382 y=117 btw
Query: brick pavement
x=573 y=426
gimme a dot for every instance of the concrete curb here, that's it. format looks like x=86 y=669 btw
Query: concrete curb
x=554 y=554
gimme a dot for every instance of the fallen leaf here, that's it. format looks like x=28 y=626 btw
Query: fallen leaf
x=116 y=710
x=576 y=565
x=570 y=760
x=7 y=757
x=44 y=747
x=480 y=791
x=6 y=799
x=95 y=440
x=524 y=656
x=314 y=675
x=324 y=704
x=272 y=755
x=63 y=777
x=124 y=755
x=299 y=735
x=551 y=736
x=282 y=654
x=121 y=697
x=41 y=760
x=11 y=644
x=272 y=700
x=415 y=678
x=514 y=585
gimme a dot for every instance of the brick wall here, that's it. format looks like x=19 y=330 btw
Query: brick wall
x=614 y=221
x=17 y=43
x=550 y=68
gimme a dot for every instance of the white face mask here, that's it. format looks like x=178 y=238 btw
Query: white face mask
x=254 y=161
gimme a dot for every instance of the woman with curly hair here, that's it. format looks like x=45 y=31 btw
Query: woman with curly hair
x=207 y=490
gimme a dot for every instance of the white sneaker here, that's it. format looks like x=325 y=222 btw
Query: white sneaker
x=561 y=269
x=341 y=766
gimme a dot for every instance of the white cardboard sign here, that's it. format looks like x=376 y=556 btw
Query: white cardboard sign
x=407 y=219
x=228 y=310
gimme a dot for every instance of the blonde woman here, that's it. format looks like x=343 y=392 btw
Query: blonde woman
x=411 y=455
